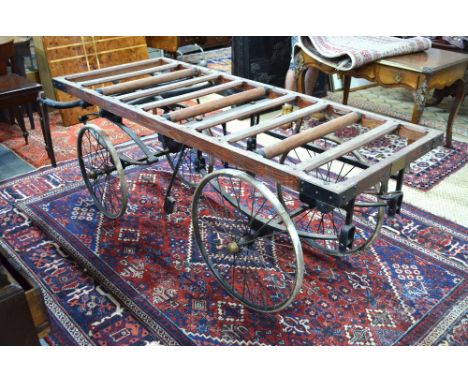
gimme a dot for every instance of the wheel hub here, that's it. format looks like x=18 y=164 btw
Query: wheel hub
x=233 y=248
x=92 y=175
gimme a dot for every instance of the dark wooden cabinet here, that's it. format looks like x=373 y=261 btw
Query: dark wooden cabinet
x=170 y=44
x=61 y=55
x=23 y=316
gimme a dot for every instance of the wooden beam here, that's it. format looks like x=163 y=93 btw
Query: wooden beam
x=411 y=133
x=168 y=87
x=192 y=95
x=274 y=123
x=240 y=112
x=121 y=76
x=145 y=82
x=347 y=147
x=309 y=135
x=217 y=104
x=117 y=69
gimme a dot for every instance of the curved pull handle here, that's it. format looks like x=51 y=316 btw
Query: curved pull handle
x=62 y=105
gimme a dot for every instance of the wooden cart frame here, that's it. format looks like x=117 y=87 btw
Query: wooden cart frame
x=154 y=94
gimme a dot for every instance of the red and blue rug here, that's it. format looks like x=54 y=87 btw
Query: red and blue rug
x=140 y=280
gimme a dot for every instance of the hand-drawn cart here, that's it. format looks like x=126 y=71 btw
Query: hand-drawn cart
x=261 y=187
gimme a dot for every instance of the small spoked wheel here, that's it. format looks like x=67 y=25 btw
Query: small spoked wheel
x=195 y=165
x=247 y=239
x=102 y=171
x=319 y=225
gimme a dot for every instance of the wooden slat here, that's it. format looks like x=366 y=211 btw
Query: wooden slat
x=217 y=104
x=191 y=95
x=122 y=76
x=116 y=69
x=145 y=82
x=211 y=145
x=309 y=135
x=274 y=123
x=347 y=146
x=168 y=87
x=252 y=162
x=240 y=112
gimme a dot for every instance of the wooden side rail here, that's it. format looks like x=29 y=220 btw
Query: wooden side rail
x=150 y=81
x=309 y=135
x=347 y=147
x=117 y=69
x=121 y=76
x=274 y=123
x=191 y=95
x=207 y=107
x=165 y=88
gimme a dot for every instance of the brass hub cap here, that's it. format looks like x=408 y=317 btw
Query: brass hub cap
x=233 y=248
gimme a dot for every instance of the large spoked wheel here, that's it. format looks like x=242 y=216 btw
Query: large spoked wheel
x=320 y=225
x=247 y=239
x=195 y=165
x=102 y=171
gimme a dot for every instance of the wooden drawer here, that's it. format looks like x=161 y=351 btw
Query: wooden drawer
x=395 y=76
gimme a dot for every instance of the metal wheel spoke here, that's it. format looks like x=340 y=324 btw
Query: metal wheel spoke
x=102 y=171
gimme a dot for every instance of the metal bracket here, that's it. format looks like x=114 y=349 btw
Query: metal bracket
x=346 y=237
x=310 y=193
x=394 y=201
x=169 y=201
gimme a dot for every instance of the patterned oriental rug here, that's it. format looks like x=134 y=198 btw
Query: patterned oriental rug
x=350 y=52
x=145 y=282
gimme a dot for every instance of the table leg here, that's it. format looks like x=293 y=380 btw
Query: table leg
x=300 y=79
x=457 y=90
x=19 y=112
x=45 y=127
x=29 y=110
x=346 y=87
x=420 y=96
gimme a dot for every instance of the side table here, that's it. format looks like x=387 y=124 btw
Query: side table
x=17 y=92
x=419 y=72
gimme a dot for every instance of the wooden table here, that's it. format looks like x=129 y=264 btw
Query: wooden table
x=17 y=91
x=420 y=72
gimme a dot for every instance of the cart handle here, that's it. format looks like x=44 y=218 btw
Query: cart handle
x=63 y=105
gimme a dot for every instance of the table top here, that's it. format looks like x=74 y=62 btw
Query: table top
x=429 y=61
x=12 y=84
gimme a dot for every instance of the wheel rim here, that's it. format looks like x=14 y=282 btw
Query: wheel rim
x=102 y=171
x=261 y=267
x=319 y=226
